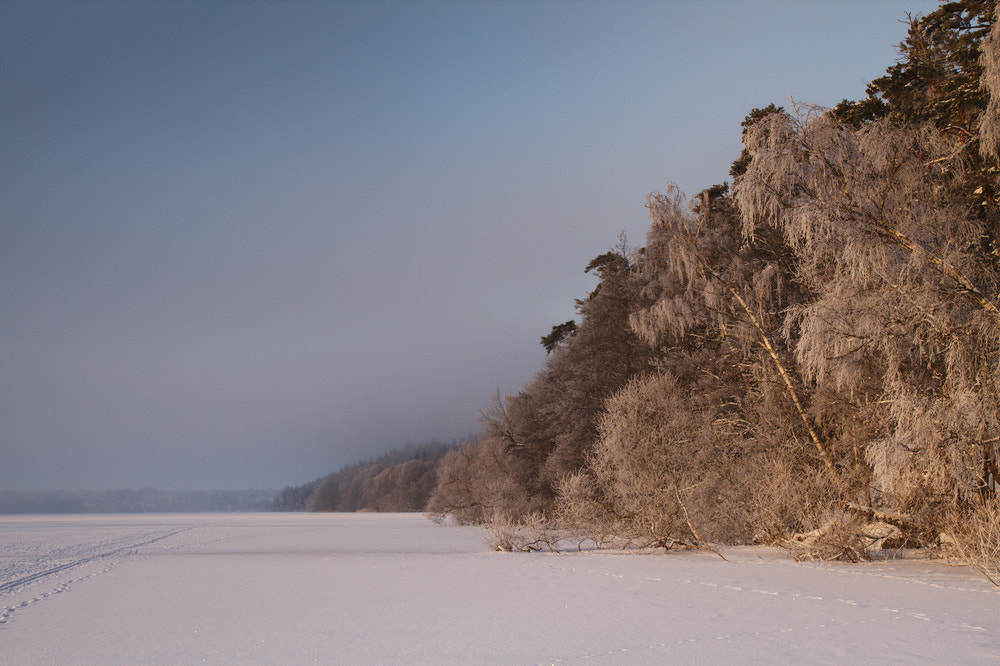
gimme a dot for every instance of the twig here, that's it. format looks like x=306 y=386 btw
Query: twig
x=687 y=519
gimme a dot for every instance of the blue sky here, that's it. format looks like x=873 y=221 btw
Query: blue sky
x=245 y=243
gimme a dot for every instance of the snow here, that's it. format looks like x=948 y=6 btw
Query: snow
x=397 y=588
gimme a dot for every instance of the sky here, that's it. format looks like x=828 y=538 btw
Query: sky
x=245 y=243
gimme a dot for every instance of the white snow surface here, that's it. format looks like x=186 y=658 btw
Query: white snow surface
x=398 y=589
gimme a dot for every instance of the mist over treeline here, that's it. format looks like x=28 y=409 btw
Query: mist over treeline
x=400 y=480
x=133 y=500
x=807 y=354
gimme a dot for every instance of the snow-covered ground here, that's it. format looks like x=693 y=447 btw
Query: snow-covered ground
x=396 y=588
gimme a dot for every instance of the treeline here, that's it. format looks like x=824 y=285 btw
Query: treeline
x=809 y=356
x=134 y=500
x=401 y=480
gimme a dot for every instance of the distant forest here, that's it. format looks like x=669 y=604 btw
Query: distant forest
x=807 y=355
x=132 y=500
x=401 y=480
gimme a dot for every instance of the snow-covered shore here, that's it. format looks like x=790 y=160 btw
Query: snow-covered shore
x=396 y=588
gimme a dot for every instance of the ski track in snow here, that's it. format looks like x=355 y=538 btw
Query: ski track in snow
x=32 y=570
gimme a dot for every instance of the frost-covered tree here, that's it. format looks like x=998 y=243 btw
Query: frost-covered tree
x=480 y=480
x=711 y=285
x=890 y=206
x=547 y=430
x=905 y=311
x=989 y=126
x=662 y=471
x=600 y=357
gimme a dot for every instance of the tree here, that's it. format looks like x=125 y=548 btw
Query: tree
x=560 y=333
x=989 y=126
x=937 y=78
x=943 y=79
x=536 y=437
x=479 y=480
x=711 y=281
x=601 y=357
x=905 y=311
x=739 y=167
x=660 y=472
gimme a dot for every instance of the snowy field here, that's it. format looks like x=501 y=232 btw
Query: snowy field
x=396 y=588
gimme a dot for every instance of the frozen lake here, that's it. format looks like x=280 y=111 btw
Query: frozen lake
x=396 y=588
